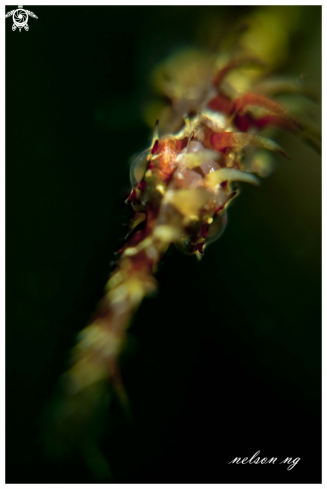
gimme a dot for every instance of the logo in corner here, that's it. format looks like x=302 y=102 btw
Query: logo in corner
x=20 y=18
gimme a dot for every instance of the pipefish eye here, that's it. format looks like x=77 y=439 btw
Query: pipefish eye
x=138 y=167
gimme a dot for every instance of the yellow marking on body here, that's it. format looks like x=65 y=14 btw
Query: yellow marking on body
x=166 y=233
x=130 y=252
x=155 y=157
x=115 y=280
x=161 y=189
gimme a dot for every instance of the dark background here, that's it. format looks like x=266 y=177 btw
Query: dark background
x=225 y=360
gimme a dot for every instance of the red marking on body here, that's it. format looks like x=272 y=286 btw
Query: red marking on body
x=180 y=144
x=221 y=104
x=278 y=116
x=222 y=140
x=275 y=120
x=220 y=208
x=142 y=185
x=257 y=100
x=199 y=247
x=132 y=196
x=168 y=150
x=155 y=147
x=204 y=230
x=244 y=122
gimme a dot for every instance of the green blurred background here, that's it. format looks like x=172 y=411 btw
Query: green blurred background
x=226 y=359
